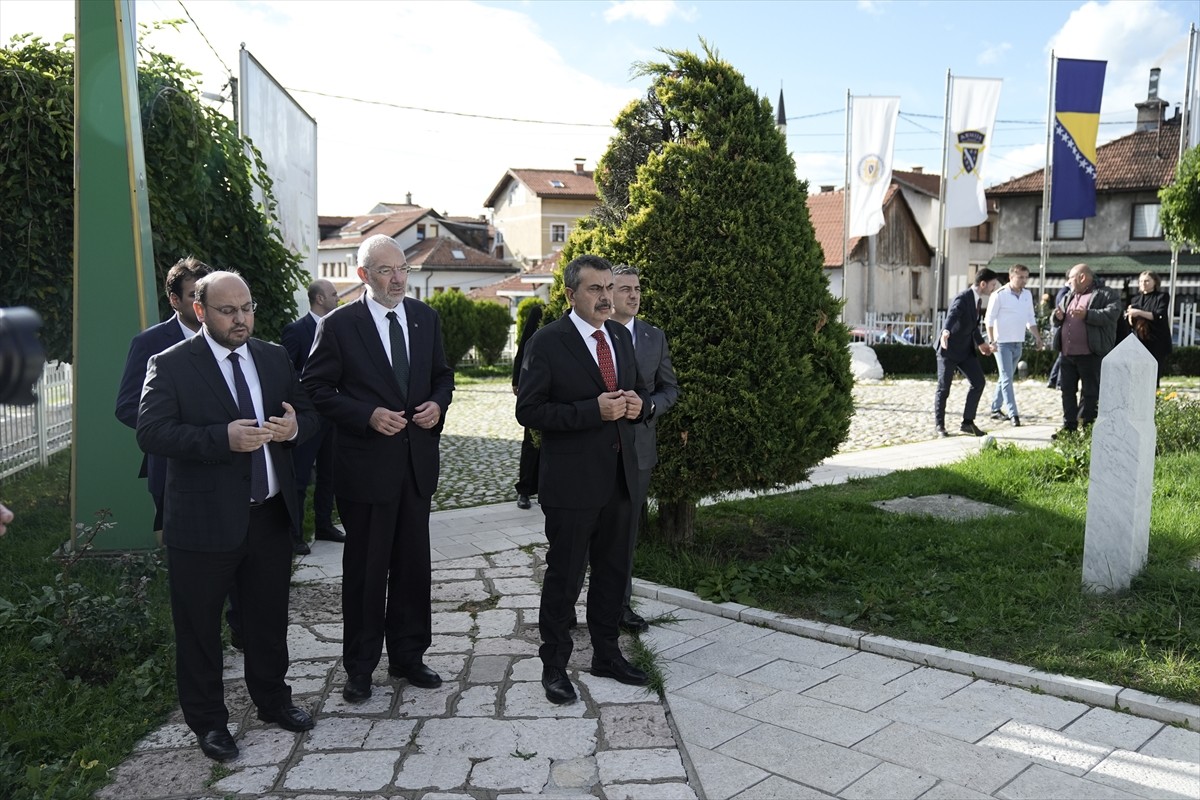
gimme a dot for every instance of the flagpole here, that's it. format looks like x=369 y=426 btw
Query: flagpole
x=846 y=210
x=1185 y=135
x=1047 y=175
x=941 y=235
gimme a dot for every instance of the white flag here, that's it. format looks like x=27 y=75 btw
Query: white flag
x=872 y=141
x=973 y=103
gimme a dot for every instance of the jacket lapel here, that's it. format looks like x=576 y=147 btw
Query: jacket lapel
x=373 y=346
x=578 y=348
x=210 y=374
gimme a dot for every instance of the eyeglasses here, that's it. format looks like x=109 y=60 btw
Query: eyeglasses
x=387 y=272
x=233 y=311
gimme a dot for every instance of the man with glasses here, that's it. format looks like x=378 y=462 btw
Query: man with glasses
x=378 y=370
x=222 y=408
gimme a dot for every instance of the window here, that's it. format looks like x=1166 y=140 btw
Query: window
x=420 y=233
x=558 y=233
x=915 y=279
x=459 y=255
x=433 y=231
x=983 y=231
x=558 y=184
x=1063 y=229
x=416 y=292
x=1145 y=224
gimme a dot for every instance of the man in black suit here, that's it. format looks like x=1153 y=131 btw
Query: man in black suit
x=955 y=348
x=657 y=375
x=181 y=292
x=221 y=407
x=378 y=370
x=577 y=388
x=297 y=339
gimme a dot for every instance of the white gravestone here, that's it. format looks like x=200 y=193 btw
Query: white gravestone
x=1117 y=533
x=864 y=364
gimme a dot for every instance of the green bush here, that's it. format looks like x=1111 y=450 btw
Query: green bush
x=459 y=323
x=492 y=333
x=1177 y=420
x=1184 y=361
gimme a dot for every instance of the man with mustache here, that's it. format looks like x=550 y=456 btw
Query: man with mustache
x=221 y=407
x=577 y=387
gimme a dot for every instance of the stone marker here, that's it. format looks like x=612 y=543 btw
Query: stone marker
x=864 y=364
x=1117 y=533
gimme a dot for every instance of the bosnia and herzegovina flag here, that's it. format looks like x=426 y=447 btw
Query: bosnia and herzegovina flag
x=1077 y=93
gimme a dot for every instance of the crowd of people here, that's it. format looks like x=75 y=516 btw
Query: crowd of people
x=234 y=427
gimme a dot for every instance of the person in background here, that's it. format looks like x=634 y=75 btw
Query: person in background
x=1148 y=316
x=297 y=339
x=527 y=472
x=6 y=518
x=1009 y=316
x=955 y=349
x=1084 y=331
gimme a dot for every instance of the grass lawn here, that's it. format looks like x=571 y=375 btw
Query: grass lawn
x=1007 y=586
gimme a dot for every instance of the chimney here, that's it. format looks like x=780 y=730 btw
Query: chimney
x=826 y=188
x=918 y=170
x=1152 y=111
x=579 y=166
x=408 y=198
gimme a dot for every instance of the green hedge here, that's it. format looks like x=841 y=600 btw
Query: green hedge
x=902 y=359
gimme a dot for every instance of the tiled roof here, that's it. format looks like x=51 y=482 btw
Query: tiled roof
x=439 y=253
x=359 y=228
x=1141 y=160
x=921 y=181
x=542 y=182
x=514 y=284
x=825 y=211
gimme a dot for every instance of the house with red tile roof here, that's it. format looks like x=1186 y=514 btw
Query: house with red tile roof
x=1124 y=238
x=534 y=210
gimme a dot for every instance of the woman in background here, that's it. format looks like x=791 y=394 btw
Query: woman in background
x=1147 y=315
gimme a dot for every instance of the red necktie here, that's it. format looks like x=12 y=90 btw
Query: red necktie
x=604 y=356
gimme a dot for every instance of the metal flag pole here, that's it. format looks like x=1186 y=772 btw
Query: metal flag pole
x=1185 y=135
x=941 y=235
x=846 y=210
x=1046 y=178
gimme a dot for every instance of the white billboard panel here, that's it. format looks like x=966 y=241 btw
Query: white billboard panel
x=286 y=136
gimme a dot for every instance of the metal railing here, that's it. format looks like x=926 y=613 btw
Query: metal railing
x=896 y=328
x=29 y=435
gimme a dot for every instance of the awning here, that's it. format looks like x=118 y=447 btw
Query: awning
x=1103 y=263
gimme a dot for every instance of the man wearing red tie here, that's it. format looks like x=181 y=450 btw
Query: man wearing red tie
x=960 y=337
x=577 y=387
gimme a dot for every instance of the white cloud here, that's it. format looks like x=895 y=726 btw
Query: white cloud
x=872 y=6
x=992 y=53
x=652 y=12
x=1132 y=36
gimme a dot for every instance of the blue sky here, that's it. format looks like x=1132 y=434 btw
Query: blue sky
x=570 y=62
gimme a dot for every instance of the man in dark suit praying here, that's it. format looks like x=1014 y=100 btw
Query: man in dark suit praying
x=297 y=339
x=222 y=408
x=955 y=347
x=378 y=370
x=577 y=388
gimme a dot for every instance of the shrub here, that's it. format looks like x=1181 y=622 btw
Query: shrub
x=459 y=323
x=492 y=333
x=1177 y=420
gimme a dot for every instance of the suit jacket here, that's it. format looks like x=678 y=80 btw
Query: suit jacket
x=656 y=374
x=962 y=320
x=184 y=414
x=149 y=342
x=556 y=395
x=297 y=339
x=348 y=375
x=1103 y=312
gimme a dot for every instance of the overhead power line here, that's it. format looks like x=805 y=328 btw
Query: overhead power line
x=228 y=71
x=449 y=113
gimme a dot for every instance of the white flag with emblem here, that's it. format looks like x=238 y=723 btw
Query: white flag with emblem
x=973 y=103
x=872 y=142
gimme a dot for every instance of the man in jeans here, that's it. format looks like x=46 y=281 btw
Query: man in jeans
x=1084 y=329
x=1009 y=315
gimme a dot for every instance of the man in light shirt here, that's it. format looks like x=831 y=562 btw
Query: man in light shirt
x=1009 y=315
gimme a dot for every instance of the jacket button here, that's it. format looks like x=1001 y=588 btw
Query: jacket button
x=616 y=446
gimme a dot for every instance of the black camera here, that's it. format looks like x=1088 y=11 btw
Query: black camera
x=21 y=355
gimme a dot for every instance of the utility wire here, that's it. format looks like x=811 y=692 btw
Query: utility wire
x=228 y=71
x=448 y=113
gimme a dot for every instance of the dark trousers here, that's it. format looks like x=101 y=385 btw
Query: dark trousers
x=316 y=452
x=598 y=536
x=386 y=578
x=970 y=368
x=527 y=473
x=1080 y=404
x=260 y=570
x=641 y=487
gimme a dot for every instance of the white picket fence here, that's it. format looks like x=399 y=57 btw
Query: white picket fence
x=1187 y=326
x=29 y=435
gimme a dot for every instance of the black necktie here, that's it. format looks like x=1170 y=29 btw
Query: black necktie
x=399 y=354
x=258 y=458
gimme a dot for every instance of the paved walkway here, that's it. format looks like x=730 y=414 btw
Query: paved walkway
x=757 y=706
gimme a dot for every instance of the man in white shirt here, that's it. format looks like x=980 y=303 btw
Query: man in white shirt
x=1009 y=315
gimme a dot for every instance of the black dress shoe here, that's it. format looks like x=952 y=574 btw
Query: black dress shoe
x=631 y=622
x=289 y=718
x=218 y=745
x=357 y=688
x=1016 y=422
x=621 y=671
x=300 y=548
x=417 y=674
x=328 y=533
x=971 y=428
x=557 y=685
x=940 y=431
x=523 y=501
x=999 y=415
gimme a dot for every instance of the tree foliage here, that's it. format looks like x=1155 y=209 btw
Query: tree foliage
x=700 y=194
x=201 y=178
x=1180 y=200
x=493 y=321
x=460 y=323
x=524 y=309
